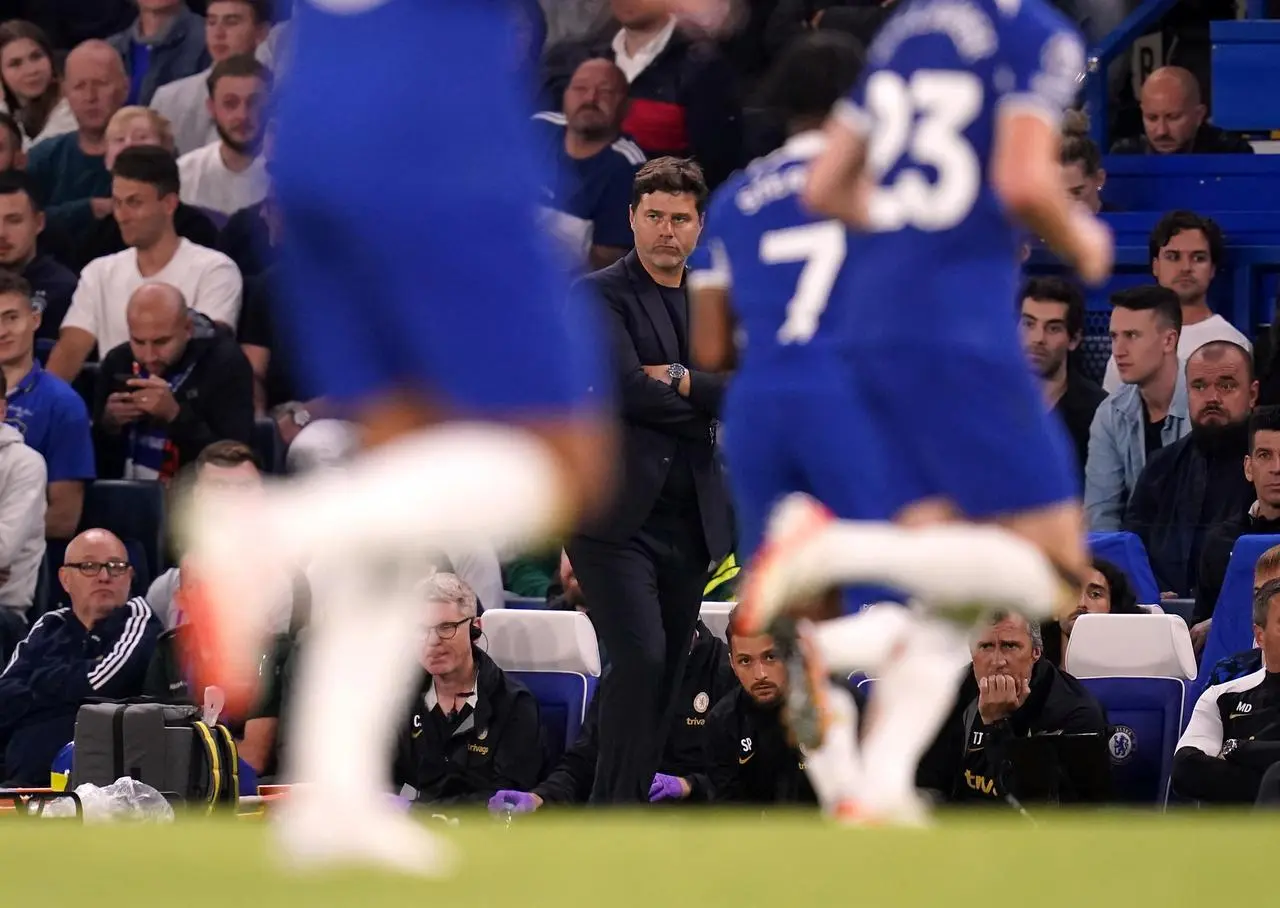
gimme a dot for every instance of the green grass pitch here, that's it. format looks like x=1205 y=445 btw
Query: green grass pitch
x=668 y=859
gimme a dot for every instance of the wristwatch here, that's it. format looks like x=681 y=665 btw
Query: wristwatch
x=300 y=415
x=1229 y=746
x=676 y=373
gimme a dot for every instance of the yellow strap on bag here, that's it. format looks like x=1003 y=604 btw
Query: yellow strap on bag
x=215 y=762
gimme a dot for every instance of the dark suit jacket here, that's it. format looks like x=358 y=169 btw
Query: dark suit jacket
x=655 y=418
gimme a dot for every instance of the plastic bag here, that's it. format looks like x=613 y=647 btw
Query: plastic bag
x=123 y=799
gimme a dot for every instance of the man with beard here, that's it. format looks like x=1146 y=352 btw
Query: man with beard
x=230 y=174
x=1052 y=325
x=592 y=167
x=1197 y=481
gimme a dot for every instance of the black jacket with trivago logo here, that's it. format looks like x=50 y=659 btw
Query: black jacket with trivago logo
x=751 y=759
x=970 y=760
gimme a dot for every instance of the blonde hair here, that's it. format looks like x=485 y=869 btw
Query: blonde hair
x=160 y=124
x=1268 y=566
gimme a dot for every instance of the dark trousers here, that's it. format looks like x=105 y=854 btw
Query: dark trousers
x=643 y=597
x=1269 y=790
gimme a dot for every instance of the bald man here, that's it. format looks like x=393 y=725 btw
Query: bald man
x=69 y=169
x=1173 y=119
x=176 y=386
x=99 y=647
x=587 y=206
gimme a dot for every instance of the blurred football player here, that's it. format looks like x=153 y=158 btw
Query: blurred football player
x=942 y=154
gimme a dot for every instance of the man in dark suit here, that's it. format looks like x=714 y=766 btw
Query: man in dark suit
x=644 y=563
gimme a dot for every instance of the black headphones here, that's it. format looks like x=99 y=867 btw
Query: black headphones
x=475 y=631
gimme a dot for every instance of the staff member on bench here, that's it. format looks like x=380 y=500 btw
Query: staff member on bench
x=472 y=730
x=99 y=647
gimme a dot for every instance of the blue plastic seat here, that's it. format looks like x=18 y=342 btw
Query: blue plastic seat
x=1126 y=551
x=562 y=703
x=1145 y=717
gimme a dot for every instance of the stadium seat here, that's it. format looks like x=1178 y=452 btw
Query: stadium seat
x=511 y=600
x=1232 y=628
x=1126 y=551
x=540 y=640
x=133 y=510
x=268 y=445
x=1130 y=646
x=562 y=705
x=1144 y=715
x=85 y=383
x=715 y=615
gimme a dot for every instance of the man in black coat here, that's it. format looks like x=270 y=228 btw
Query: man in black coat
x=178 y=385
x=1011 y=693
x=644 y=563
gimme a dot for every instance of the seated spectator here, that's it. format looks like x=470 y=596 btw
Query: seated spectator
x=1173 y=119
x=132 y=126
x=751 y=759
x=179 y=384
x=145 y=194
x=1147 y=413
x=1232 y=742
x=48 y=412
x=1237 y=665
x=99 y=647
x=231 y=173
x=21 y=222
x=1106 y=591
x=1012 y=692
x=1082 y=163
x=1197 y=481
x=707 y=677
x=683 y=93
x=165 y=42
x=251 y=236
x=231 y=28
x=1185 y=251
x=32 y=84
x=12 y=157
x=74 y=184
x=1262 y=517
x=1052 y=326
x=22 y=504
x=593 y=166
x=473 y=729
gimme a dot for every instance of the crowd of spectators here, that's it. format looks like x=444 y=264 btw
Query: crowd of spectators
x=138 y=245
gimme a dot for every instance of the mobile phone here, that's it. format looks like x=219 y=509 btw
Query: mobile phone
x=120 y=382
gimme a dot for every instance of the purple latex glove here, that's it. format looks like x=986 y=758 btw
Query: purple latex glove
x=514 y=802
x=667 y=788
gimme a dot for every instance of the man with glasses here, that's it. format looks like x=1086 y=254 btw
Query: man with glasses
x=473 y=730
x=97 y=648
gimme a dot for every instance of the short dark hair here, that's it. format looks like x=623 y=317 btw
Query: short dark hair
x=227 y=453
x=149 y=164
x=812 y=73
x=1214 y=350
x=13 y=182
x=15 y=284
x=1151 y=298
x=1262 y=601
x=239 y=66
x=1124 y=601
x=259 y=9
x=1263 y=419
x=1176 y=222
x=10 y=125
x=673 y=175
x=1057 y=290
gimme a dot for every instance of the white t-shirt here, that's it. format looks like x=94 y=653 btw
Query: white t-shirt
x=1192 y=338
x=209 y=281
x=182 y=103
x=207 y=183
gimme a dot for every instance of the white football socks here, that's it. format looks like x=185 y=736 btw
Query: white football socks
x=910 y=700
x=835 y=768
x=863 y=642
x=358 y=662
x=471 y=485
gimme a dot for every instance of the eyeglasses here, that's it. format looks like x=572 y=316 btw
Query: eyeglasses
x=93 y=568
x=447 y=630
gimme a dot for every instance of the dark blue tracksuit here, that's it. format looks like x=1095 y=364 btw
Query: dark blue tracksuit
x=59 y=666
